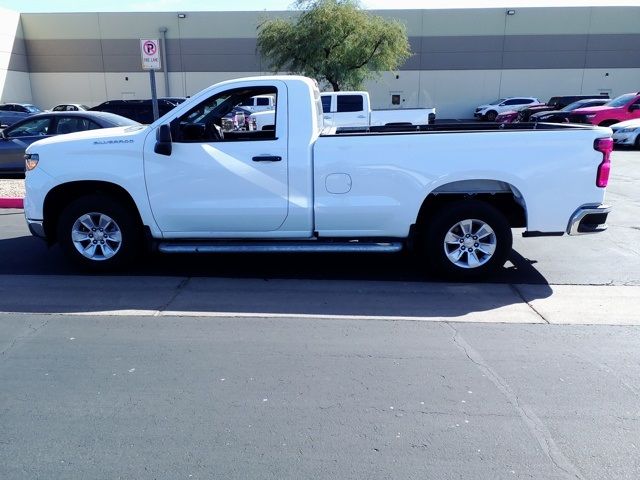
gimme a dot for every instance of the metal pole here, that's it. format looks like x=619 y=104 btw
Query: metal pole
x=163 y=51
x=154 y=95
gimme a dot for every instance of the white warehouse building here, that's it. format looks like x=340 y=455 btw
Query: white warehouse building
x=461 y=57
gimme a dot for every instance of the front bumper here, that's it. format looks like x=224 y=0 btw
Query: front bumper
x=624 y=138
x=589 y=219
x=36 y=228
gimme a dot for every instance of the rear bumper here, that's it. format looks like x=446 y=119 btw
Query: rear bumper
x=589 y=219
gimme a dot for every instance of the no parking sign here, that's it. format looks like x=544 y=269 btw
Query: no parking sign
x=150 y=50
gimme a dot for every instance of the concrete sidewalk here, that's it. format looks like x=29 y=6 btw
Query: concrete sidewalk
x=320 y=299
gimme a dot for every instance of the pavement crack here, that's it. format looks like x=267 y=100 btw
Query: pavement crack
x=181 y=286
x=536 y=427
x=31 y=331
x=517 y=291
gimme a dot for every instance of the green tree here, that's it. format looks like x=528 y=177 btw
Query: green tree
x=334 y=41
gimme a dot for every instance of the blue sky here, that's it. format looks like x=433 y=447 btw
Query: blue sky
x=221 y=5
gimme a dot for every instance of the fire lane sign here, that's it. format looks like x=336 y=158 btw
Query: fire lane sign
x=150 y=50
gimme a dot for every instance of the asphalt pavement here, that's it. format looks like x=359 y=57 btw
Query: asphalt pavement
x=328 y=366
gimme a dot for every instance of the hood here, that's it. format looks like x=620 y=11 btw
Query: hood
x=588 y=110
x=101 y=136
x=544 y=113
x=635 y=123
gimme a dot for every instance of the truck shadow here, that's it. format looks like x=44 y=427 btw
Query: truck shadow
x=315 y=285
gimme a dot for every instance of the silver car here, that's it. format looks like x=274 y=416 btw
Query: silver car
x=16 y=138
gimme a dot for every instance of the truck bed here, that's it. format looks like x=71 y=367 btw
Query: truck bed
x=454 y=127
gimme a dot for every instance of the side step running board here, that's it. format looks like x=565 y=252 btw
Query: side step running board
x=280 y=247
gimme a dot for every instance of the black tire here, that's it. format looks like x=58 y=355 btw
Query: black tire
x=608 y=123
x=637 y=142
x=491 y=115
x=446 y=219
x=125 y=222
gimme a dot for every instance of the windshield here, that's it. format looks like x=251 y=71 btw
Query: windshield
x=621 y=100
x=32 y=109
x=573 y=106
x=117 y=120
x=496 y=102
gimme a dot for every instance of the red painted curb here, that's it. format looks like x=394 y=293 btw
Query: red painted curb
x=7 y=202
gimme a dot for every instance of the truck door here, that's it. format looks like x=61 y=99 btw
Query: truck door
x=327 y=109
x=220 y=183
x=350 y=111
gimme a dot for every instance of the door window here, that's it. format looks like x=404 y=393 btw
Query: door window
x=74 y=124
x=517 y=101
x=326 y=103
x=30 y=128
x=349 y=103
x=215 y=119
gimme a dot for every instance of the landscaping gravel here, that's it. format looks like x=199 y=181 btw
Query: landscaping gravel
x=11 y=188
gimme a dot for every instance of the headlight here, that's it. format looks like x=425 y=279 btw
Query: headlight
x=629 y=130
x=31 y=161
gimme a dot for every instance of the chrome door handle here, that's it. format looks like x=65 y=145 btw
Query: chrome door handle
x=267 y=158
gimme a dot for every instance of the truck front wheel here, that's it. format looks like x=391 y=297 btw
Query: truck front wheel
x=97 y=232
x=467 y=239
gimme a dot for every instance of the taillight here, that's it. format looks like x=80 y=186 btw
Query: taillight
x=605 y=146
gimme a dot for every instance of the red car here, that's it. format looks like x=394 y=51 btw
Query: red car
x=624 y=107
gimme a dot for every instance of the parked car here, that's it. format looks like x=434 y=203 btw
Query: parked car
x=555 y=103
x=237 y=119
x=259 y=103
x=562 y=116
x=627 y=133
x=624 y=107
x=265 y=120
x=11 y=113
x=16 y=138
x=491 y=110
x=510 y=115
x=183 y=186
x=139 y=110
x=70 y=107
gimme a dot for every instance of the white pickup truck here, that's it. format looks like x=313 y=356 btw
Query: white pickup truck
x=452 y=192
x=353 y=109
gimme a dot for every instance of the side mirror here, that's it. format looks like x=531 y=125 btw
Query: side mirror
x=634 y=107
x=163 y=140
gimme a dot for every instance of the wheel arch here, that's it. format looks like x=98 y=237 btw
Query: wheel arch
x=502 y=195
x=62 y=195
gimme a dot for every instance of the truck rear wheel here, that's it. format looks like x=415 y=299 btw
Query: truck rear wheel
x=97 y=232
x=467 y=239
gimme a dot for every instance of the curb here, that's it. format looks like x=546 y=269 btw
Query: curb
x=11 y=202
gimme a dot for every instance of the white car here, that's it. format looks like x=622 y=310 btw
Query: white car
x=491 y=110
x=627 y=133
x=264 y=120
x=70 y=107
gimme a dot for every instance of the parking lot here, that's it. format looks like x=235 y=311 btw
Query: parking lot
x=327 y=366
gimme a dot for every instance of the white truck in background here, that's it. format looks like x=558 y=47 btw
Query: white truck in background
x=259 y=103
x=353 y=109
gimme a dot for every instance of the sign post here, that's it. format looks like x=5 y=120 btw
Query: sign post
x=150 y=51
